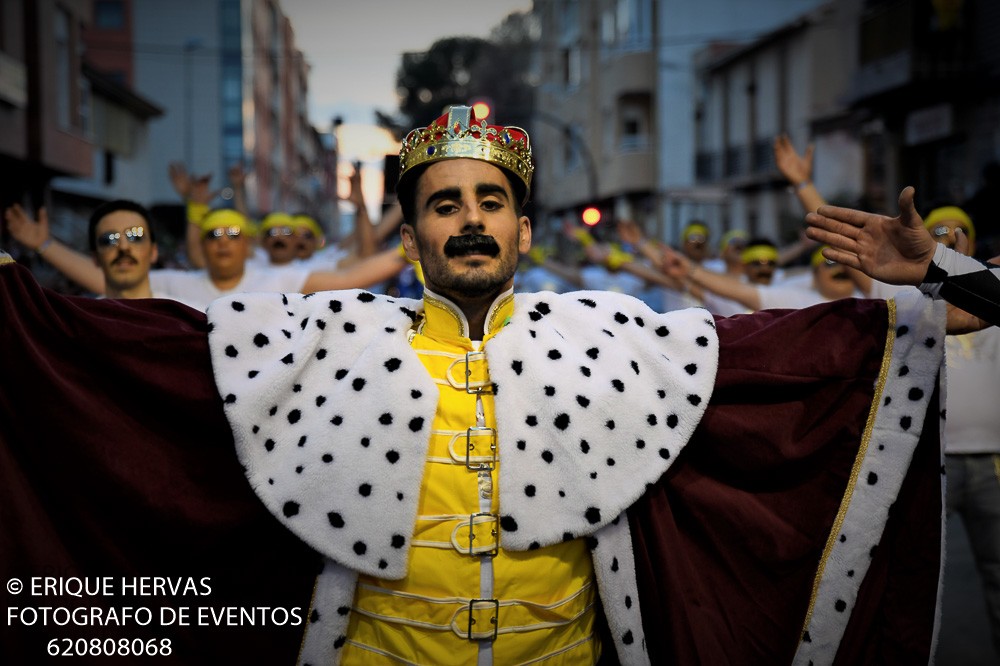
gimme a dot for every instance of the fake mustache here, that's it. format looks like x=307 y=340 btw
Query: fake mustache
x=457 y=246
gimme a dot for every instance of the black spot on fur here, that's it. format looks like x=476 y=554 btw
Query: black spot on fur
x=290 y=509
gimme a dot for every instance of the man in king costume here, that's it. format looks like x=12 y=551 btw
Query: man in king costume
x=487 y=478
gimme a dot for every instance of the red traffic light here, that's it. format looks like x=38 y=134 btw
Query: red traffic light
x=482 y=110
x=591 y=216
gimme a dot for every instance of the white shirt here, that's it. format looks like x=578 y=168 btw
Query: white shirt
x=196 y=289
x=792 y=297
x=973 y=392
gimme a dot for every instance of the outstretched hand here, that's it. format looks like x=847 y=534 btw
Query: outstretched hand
x=797 y=169
x=25 y=230
x=896 y=250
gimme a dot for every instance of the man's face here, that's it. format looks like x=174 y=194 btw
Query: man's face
x=280 y=244
x=760 y=271
x=226 y=252
x=944 y=231
x=832 y=280
x=306 y=242
x=695 y=247
x=732 y=253
x=467 y=234
x=125 y=262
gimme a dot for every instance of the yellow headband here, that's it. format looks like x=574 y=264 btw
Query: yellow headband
x=304 y=221
x=939 y=215
x=759 y=253
x=695 y=228
x=226 y=217
x=817 y=257
x=730 y=236
x=277 y=219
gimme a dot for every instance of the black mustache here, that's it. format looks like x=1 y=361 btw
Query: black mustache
x=457 y=246
x=121 y=257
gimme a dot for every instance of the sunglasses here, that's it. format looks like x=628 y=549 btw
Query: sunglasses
x=279 y=231
x=305 y=233
x=114 y=238
x=943 y=229
x=219 y=232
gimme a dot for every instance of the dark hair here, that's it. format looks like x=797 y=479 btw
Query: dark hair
x=406 y=191
x=109 y=207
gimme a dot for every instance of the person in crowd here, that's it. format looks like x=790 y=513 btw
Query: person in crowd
x=731 y=247
x=497 y=478
x=972 y=429
x=226 y=245
x=277 y=239
x=830 y=281
x=759 y=261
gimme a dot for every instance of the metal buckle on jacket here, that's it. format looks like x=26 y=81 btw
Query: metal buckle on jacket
x=478 y=390
x=494 y=532
x=494 y=608
x=481 y=465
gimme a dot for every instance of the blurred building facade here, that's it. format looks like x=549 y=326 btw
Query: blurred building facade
x=98 y=97
x=666 y=111
x=615 y=116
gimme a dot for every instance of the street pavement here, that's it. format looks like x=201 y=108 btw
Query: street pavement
x=964 y=638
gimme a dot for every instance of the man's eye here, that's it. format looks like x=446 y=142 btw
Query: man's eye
x=445 y=209
x=492 y=205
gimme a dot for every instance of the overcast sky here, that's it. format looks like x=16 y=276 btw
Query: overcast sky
x=354 y=46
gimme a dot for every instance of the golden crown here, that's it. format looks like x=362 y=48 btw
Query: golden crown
x=459 y=133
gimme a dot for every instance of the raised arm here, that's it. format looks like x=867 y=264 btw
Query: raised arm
x=678 y=266
x=197 y=194
x=797 y=170
x=365 y=273
x=75 y=265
